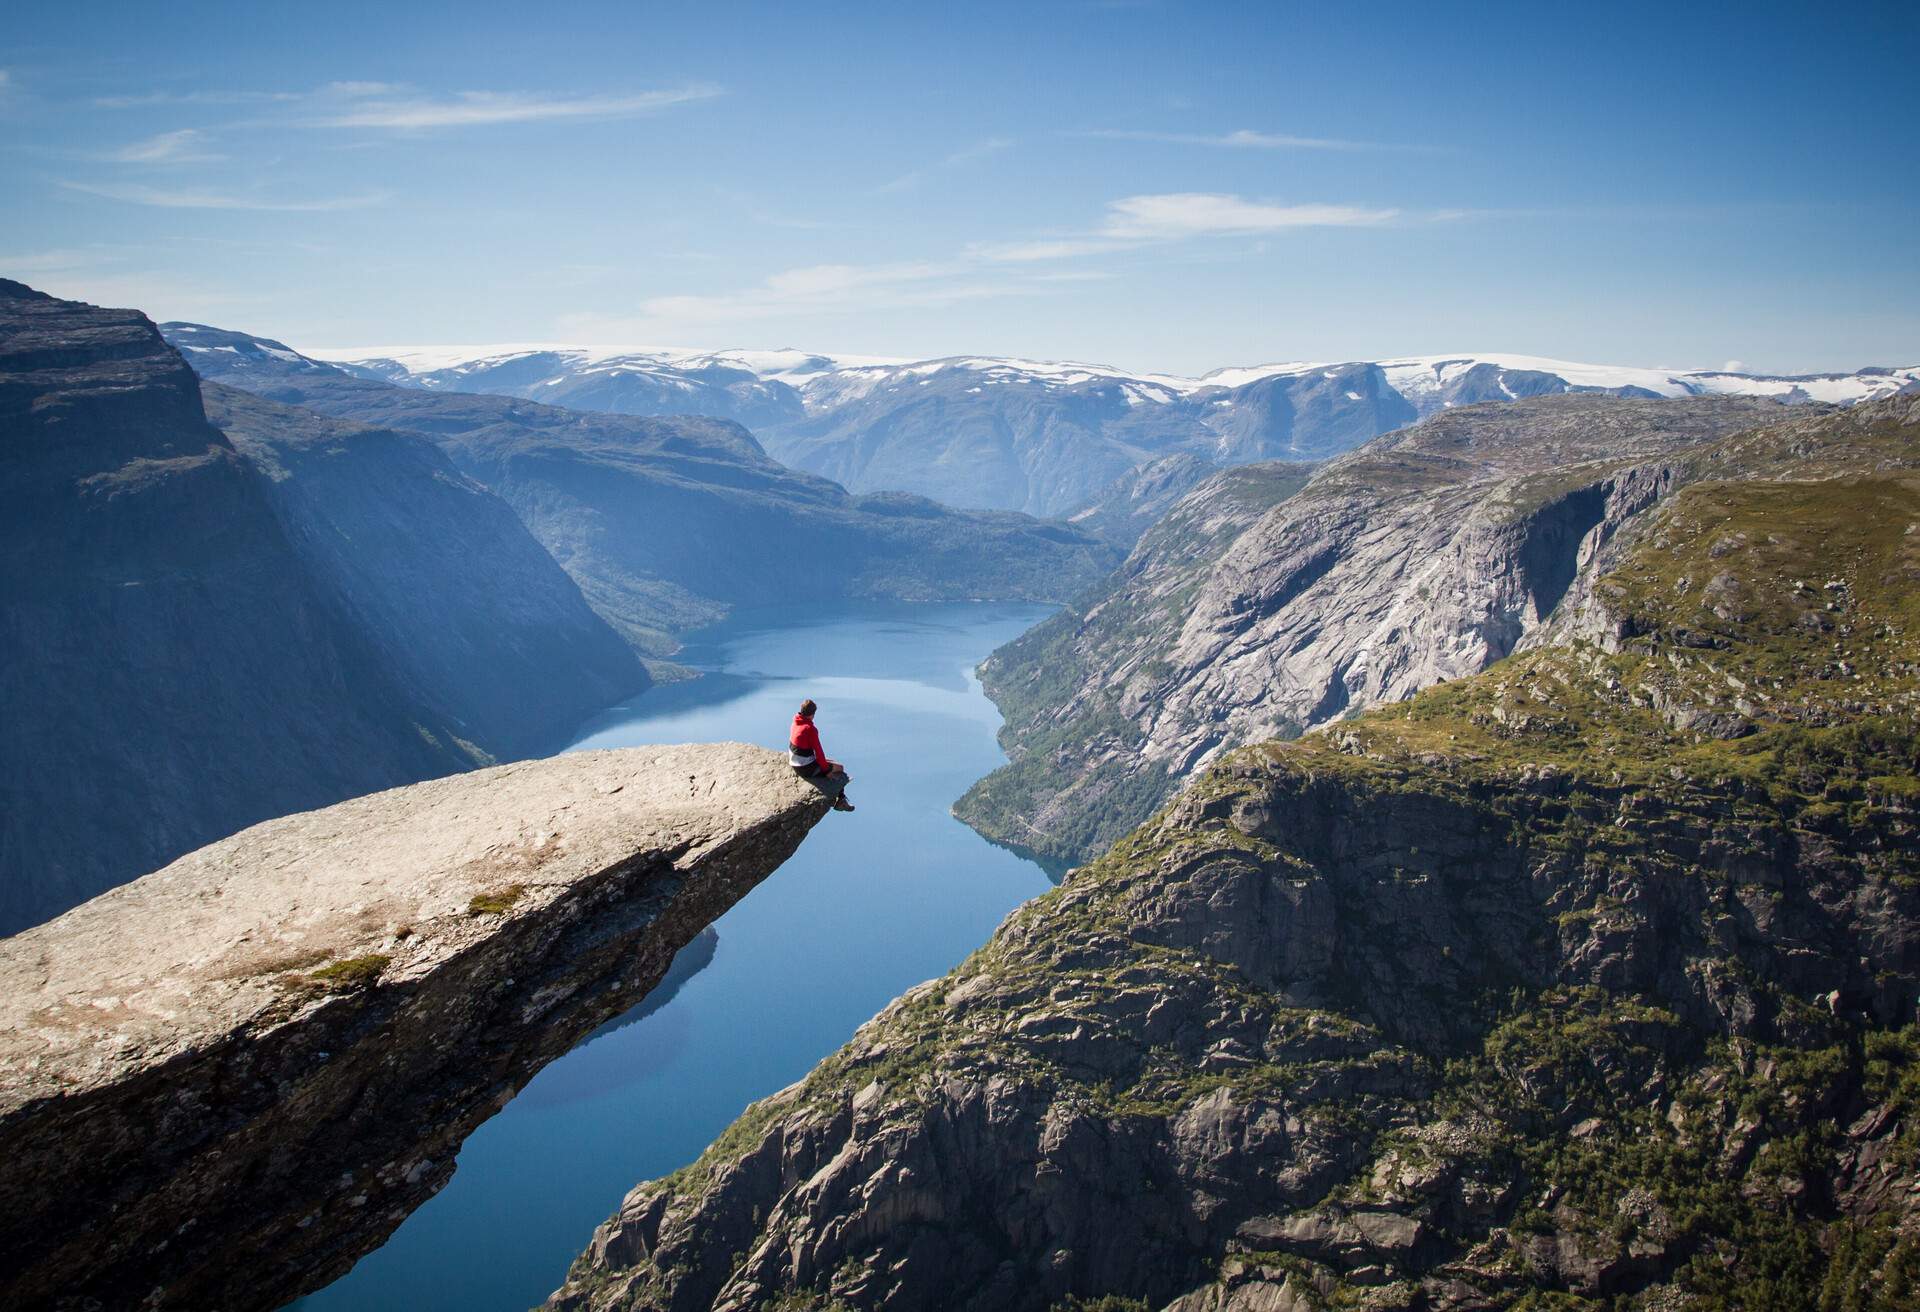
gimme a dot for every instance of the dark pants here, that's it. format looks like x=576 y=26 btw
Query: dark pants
x=831 y=782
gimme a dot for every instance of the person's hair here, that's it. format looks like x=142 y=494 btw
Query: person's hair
x=807 y=707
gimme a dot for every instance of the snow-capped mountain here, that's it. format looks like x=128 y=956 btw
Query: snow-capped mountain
x=1044 y=436
x=621 y=380
x=1433 y=382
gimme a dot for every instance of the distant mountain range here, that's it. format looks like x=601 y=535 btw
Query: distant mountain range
x=1045 y=437
x=666 y=522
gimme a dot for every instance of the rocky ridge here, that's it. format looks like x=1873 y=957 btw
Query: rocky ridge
x=1256 y=611
x=1141 y=498
x=223 y=1083
x=1586 y=982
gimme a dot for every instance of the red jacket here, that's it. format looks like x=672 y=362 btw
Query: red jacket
x=805 y=738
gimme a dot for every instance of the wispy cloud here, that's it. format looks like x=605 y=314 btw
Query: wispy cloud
x=482 y=108
x=56 y=261
x=1136 y=221
x=813 y=291
x=1045 y=248
x=163 y=198
x=353 y=89
x=913 y=178
x=1245 y=139
x=1199 y=213
x=821 y=287
x=397 y=106
x=155 y=99
x=182 y=147
x=981 y=269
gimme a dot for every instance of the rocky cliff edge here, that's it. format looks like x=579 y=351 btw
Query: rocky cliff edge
x=223 y=1083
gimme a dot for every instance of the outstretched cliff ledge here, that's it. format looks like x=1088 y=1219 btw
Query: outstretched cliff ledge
x=223 y=1083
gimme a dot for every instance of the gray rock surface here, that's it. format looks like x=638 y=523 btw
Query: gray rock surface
x=222 y=1083
x=1140 y=498
x=1425 y=556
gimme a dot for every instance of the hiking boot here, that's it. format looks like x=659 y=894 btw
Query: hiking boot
x=842 y=804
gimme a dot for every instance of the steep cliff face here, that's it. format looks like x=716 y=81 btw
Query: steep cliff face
x=1141 y=498
x=472 y=614
x=168 y=670
x=667 y=523
x=1586 y=982
x=222 y=1083
x=1426 y=555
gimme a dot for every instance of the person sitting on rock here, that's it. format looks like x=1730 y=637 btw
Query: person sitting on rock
x=810 y=762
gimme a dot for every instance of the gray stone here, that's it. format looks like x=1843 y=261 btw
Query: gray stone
x=285 y=1037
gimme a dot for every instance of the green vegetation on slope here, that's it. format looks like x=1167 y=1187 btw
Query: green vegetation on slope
x=1586 y=983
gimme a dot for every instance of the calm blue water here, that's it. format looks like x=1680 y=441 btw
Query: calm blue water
x=872 y=904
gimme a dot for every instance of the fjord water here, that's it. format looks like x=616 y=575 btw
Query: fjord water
x=872 y=904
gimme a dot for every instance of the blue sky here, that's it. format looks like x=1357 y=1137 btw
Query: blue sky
x=1152 y=185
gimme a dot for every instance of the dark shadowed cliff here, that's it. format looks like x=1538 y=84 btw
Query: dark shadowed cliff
x=168 y=670
x=197 y=633
x=464 y=606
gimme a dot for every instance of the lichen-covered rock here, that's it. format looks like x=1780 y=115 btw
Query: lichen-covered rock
x=223 y=1083
x=1529 y=991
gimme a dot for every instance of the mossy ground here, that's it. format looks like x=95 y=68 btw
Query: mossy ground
x=351 y=973
x=497 y=903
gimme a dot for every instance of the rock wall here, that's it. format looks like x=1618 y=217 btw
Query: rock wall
x=169 y=671
x=1425 y=556
x=223 y=1083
